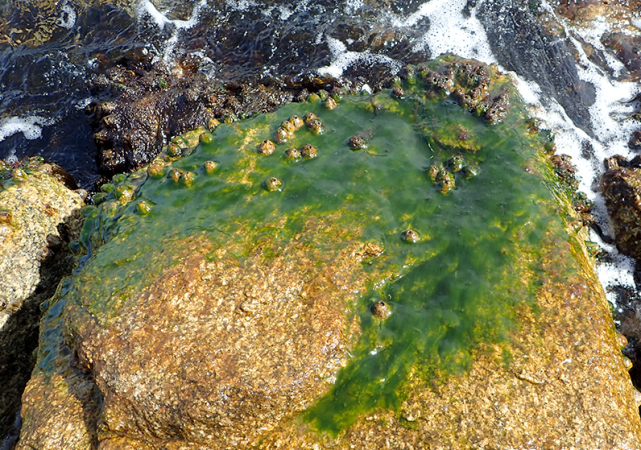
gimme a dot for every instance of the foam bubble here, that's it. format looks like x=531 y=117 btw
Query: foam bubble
x=82 y=104
x=147 y=7
x=450 y=30
x=30 y=126
x=353 y=5
x=240 y=5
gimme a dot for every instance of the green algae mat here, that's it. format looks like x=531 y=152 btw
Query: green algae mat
x=443 y=179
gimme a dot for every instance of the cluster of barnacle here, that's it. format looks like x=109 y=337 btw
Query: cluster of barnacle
x=323 y=95
x=287 y=129
x=307 y=151
x=285 y=132
x=444 y=175
x=565 y=171
x=117 y=189
x=182 y=144
x=469 y=83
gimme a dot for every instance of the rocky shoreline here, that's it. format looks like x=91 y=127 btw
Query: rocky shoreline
x=218 y=313
x=140 y=105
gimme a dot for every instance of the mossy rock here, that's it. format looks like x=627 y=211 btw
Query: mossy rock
x=232 y=297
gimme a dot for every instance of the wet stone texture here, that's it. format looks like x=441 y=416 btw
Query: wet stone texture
x=152 y=103
x=360 y=304
x=621 y=188
x=622 y=192
x=39 y=215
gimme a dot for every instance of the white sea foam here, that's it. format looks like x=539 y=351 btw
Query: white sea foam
x=241 y=5
x=30 y=126
x=352 y=6
x=451 y=31
x=147 y=8
x=342 y=59
x=611 y=133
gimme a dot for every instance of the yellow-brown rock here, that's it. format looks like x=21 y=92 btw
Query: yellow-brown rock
x=38 y=218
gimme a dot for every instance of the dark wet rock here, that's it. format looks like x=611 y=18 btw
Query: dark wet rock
x=39 y=216
x=627 y=49
x=157 y=104
x=635 y=140
x=45 y=69
x=622 y=192
x=628 y=316
x=522 y=44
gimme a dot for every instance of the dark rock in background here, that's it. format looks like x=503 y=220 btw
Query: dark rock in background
x=522 y=44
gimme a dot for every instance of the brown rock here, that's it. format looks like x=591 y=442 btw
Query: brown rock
x=217 y=320
x=230 y=320
x=159 y=381
x=626 y=48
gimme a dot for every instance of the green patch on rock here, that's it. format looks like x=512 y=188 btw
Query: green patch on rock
x=450 y=203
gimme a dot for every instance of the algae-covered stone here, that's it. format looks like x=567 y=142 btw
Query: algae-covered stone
x=38 y=217
x=357 y=307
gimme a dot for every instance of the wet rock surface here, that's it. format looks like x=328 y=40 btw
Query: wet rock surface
x=257 y=62
x=621 y=189
x=626 y=48
x=522 y=42
x=39 y=216
x=622 y=192
x=559 y=368
x=152 y=103
x=212 y=312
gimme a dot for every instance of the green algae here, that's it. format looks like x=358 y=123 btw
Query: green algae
x=456 y=288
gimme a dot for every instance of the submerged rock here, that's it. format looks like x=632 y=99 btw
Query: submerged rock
x=228 y=315
x=38 y=217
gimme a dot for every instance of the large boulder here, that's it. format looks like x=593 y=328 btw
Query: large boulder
x=39 y=215
x=403 y=270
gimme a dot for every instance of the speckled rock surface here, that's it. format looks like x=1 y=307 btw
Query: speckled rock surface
x=418 y=280
x=38 y=217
